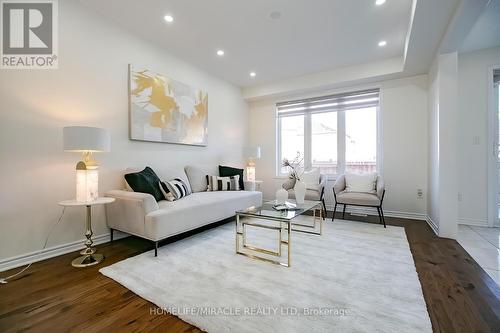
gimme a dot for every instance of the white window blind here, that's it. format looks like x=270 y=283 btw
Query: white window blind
x=339 y=102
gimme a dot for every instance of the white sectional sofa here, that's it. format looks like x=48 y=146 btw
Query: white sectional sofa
x=139 y=214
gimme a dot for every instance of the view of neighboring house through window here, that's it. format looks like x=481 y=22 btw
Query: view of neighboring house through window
x=336 y=133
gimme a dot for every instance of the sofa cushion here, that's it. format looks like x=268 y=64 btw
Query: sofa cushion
x=226 y=171
x=177 y=187
x=173 y=172
x=145 y=181
x=197 y=175
x=356 y=198
x=218 y=183
x=196 y=210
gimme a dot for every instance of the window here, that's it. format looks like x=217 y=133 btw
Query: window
x=335 y=133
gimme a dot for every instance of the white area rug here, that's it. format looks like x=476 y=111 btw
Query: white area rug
x=356 y=277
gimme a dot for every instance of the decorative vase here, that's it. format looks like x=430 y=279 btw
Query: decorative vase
x=281 y=196
x=300 y=191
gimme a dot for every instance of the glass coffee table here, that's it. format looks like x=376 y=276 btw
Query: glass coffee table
x=267 y=218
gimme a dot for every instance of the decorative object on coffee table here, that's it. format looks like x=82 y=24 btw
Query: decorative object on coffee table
x=88 y=257
x=281 y=196
x=296 y=172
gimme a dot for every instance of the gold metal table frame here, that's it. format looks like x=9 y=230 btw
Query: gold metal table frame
x=283 y=226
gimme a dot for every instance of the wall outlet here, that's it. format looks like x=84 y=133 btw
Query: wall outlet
x=420 y=193
x=476 y=140
x=460 y=197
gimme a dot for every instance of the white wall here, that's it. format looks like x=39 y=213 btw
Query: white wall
x=443 y=145
x=404 y=139
x=90 y=88
x=473 y=122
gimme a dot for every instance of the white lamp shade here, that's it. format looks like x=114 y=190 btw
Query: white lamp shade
x=86 y=139
x=253 y=152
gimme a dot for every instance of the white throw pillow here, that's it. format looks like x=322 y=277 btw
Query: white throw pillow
x=311 y=178
x=361 y=182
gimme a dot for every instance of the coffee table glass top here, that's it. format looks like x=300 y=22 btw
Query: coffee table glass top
x=267 y=210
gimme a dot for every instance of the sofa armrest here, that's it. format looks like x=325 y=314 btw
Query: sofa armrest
x=339 y=185
x=143 y=201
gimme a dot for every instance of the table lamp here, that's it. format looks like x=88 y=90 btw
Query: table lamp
x=253 y=154
x=86 y=140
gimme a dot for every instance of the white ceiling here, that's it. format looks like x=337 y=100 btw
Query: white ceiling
x=486 y=32
x=311 y=36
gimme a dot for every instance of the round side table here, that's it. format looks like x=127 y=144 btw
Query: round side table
x=89 y=257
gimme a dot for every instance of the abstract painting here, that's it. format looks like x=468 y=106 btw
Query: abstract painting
x=166 y=110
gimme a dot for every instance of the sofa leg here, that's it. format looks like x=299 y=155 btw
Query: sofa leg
x=343 y=212
x=111 y=235
x=334 y=211
x=324 y=208
x=383 y=218
x=156 y=249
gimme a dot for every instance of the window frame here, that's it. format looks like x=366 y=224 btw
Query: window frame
x=341 y=144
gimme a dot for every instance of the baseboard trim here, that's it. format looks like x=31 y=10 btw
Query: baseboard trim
x=373 y=211
x=433 y=225
x=474 y=222
x=54 y=251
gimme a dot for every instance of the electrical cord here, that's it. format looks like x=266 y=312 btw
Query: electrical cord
x=4 y=280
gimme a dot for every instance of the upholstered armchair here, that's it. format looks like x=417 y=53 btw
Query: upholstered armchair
x=373 y=198
x=314 y=194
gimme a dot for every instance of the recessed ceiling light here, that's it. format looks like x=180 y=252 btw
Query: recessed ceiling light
x=220 y=53
x=382 y=43
x=379 y=2
x=275 y=15
x=168 y=18
x=253 y=74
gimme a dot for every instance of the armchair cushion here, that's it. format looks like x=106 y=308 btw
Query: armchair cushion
x=357 y=198
x=339 y=185
x=361 y=182
x=311 y=179
x=310 y=194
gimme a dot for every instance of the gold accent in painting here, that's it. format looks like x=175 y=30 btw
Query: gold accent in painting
x=165 y=110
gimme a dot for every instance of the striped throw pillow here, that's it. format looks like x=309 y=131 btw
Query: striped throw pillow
x=177 y=188
x=217 y=183
x=166 y=192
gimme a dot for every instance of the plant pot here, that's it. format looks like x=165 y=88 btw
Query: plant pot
x=300 y=191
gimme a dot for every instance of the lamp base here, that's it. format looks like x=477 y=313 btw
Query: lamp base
x=87 y=260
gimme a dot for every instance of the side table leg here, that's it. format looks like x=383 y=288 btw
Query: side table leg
x=89 y=257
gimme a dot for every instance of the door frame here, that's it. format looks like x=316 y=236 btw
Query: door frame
x=492 y=151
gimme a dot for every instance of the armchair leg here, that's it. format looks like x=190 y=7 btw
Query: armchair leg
x=111 y=235
x=343 y=212
x=383 y=218
x=324 y=208
x=156 y=249
x=334 y=211
x=379 y=216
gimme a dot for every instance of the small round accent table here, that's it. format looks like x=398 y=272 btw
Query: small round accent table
x=89 y=257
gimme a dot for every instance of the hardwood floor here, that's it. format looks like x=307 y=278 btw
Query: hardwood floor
x=53 y=296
